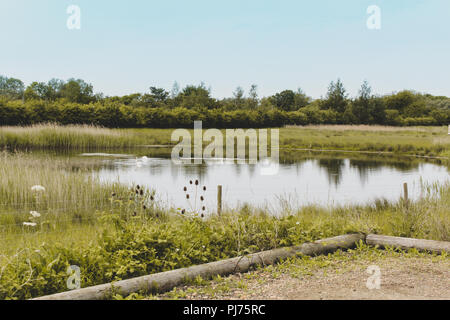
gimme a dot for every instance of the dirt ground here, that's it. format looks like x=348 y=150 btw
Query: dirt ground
x=422 y=277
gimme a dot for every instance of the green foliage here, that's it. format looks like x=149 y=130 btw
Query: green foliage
x=74 y=102
x=11 y=88
x=125 y=248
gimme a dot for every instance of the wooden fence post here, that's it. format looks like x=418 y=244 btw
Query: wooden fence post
x=405 y=193
x=219 y=200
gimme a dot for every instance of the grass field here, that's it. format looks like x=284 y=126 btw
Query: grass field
x=424 y=141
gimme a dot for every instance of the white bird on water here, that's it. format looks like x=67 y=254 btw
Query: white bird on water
x=141 y=161
x=38 y=188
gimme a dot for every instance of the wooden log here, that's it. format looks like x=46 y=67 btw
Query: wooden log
x=408 y=243
x=164 y=281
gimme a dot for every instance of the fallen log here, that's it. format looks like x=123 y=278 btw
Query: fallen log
x=408 y=243
x=165 y=281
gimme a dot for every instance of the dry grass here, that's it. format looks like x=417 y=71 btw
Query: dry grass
x=368 y=128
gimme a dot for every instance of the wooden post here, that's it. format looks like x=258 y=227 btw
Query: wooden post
x=219 y=200
x=405 y=193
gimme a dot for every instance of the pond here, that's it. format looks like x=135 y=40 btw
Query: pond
x=302 y=179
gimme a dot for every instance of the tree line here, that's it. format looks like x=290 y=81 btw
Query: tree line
x=75 y=102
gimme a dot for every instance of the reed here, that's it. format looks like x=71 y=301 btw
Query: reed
x=59 y=190
x=425 y=141
x=86 y=137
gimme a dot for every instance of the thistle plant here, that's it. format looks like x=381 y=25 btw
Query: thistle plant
x=140 y=202
x=195 y=200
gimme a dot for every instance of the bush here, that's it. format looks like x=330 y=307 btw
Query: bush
x=114 y=114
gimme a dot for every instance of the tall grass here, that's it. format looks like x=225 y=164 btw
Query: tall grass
x=86 y=137
x=430 y=141
x=71 y=191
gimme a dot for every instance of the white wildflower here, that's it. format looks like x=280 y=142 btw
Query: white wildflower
x=35 y=214
x=29 y=224
x=38 y=188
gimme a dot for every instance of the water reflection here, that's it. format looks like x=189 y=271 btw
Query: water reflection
x=304 y=178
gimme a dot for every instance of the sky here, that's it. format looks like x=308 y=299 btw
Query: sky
x=124 y=47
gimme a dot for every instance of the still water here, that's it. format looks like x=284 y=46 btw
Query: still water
x=301 y=179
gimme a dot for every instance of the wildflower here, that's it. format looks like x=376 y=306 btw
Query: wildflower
x=196 y=182
x=183 y=211
x=187 y=196
x=152 y=198
x=184 y=189
x=190 y=181
x=38 y=188
x=142 y=192
x=204 y=188
x=202 y=215
x=177 y=250
x=145 y=207
x=203 y=208
x=35 y=214
x=113 y=194
x=29 y=224
x=201 y=198
x=297 y=223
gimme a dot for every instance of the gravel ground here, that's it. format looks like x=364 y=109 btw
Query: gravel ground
x=401 y=277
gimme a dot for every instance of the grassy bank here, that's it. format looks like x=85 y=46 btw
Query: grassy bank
x=424 y=141
x=118 y=247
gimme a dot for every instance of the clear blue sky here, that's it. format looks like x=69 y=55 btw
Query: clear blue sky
x=128 y=46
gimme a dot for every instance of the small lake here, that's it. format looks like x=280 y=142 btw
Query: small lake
x=302 y=179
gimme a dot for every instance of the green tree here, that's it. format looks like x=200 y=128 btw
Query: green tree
x=400 y=100
x=196 y=97
x=336 y=98
x=253 y=97
x=11 y=88
x=301 y=100
x=77 y=91
x=36 y=90
x=284 y=100
x=159 y=94
x=361 y=107
x=238 y=97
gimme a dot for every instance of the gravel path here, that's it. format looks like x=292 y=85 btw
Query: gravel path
x=344 y=277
